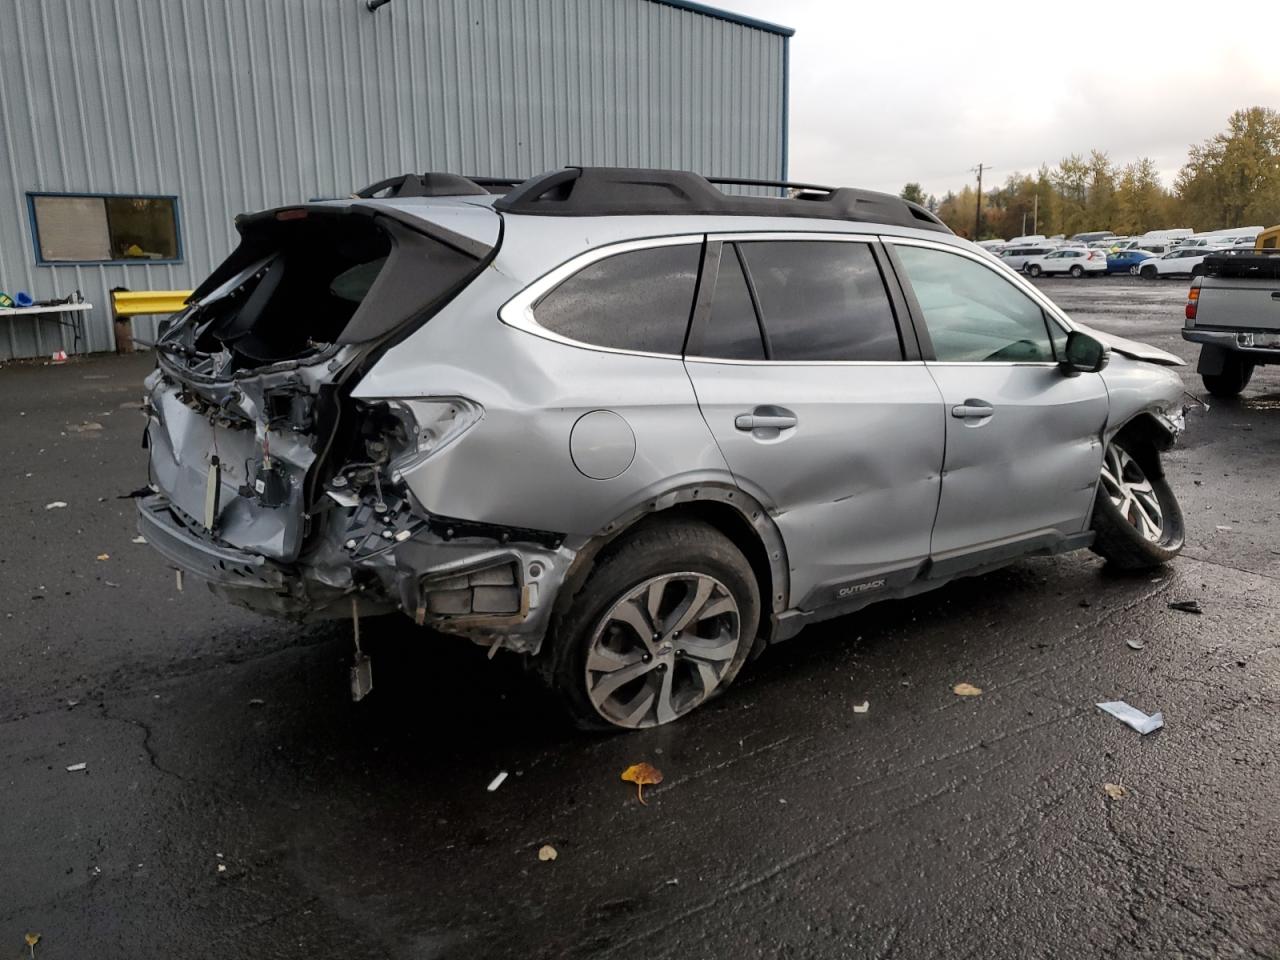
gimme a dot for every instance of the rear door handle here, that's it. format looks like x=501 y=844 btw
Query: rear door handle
x=768 y=421
x=973 y=408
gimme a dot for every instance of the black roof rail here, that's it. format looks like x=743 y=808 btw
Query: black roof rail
x=610 y=191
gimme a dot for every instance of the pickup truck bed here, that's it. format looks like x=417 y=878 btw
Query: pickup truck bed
x=1233 y=312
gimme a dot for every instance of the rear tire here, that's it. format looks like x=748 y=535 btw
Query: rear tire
x=1235 y=376
x=1034 y=270
x=1136 y=518
x=663 y=564
x=1077 y=271
x=1149 y=273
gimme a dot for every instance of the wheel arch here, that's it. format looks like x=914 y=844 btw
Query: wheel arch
x=1149 y=430
x=724 y=506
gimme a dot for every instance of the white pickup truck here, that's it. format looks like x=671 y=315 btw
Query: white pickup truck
x=1233 y=312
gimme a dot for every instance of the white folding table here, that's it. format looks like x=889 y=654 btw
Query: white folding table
x=63 y=314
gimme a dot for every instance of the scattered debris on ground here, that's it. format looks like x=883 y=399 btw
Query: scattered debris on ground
x=1115 y=791
x=1186 y=606
x=862 y=707
x=76 y=767
x=496 y=782
x=56 y=505
x=641 y=774
x=966 y=690
x=104 y=556
x=1135 y=644
x=547 y=852
x=138 y=539
x=1132 y=716
x=32 y=940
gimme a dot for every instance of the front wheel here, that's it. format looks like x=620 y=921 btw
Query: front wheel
x=1034 y=270
x=1136 y=518
x=664 y=622
x=1133 y=271
x=1149 y=273
x=1235 y=376
x=1077 y=271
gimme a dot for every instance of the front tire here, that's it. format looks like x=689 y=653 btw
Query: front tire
x=1235 y=376
x=1077 y=271
x=1149 y=273
x=1136 y=518
x=664 y=622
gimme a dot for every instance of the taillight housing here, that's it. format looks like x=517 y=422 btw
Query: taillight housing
x=1193 y=299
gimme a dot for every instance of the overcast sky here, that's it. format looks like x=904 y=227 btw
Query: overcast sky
x=884 y=93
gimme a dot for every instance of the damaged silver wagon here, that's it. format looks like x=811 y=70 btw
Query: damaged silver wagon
x=633 y=426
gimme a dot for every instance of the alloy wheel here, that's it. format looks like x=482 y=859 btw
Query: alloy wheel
x=662 y=648
x=1131 y=493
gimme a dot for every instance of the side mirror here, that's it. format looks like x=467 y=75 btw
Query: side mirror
x=1084 y=354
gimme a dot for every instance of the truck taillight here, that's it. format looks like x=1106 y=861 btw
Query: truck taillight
x=1193 y=300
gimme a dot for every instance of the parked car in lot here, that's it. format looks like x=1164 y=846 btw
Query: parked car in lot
x=634 y=428
x=1127 y=261
x=1178 y=262
x=1076 y=261
x=1016 y=257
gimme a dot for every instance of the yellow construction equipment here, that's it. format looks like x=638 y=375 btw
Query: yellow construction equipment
x=139 y=303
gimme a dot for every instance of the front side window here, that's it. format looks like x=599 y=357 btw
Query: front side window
x=85 y=228
x=822 y=300
x=973 y=314
x=639 y=300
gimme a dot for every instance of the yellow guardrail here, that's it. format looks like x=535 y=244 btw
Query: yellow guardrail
x=139 y=303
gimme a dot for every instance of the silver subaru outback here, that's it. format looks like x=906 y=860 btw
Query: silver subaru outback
x=633 y=426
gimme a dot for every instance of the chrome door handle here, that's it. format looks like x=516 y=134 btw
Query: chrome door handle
x=972 y=409
x=755 y=421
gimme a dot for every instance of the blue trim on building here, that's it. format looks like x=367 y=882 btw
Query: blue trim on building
x=719 y=14
x=131 y=261
x=786 y=106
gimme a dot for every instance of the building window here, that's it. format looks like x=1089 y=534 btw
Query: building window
x=104 y=228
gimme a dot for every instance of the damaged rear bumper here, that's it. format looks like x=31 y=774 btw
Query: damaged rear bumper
x=471 y=580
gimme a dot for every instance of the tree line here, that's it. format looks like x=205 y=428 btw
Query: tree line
x=1230 y=180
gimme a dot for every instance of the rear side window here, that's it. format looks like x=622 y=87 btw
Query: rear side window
x=822 y=300
x=638 y=300
x=731 y=330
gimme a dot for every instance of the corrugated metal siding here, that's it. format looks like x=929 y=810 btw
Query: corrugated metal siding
x=243 y=104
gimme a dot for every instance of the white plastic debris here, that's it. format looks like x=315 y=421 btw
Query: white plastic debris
x=56 y=505
x=138 y=540
x=76 y=767
x=862 y=707
x=1132 y=716
x=496 y=782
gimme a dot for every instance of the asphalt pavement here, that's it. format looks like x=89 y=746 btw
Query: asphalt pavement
x=235 y=803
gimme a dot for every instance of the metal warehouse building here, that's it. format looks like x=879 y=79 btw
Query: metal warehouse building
x=135 y=130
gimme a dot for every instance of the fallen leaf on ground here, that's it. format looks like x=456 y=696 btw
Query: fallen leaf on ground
x=547 y=852
x=104 y=556
x=1135 y=644
x=641 y=774
x=966 y=690
x=862 y=707
x=1115 y=791
x=33 y=939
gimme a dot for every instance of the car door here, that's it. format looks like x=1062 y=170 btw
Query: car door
x=820 y=406
x=1023 y=439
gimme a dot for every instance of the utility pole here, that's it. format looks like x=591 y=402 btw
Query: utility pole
x=977 y=223
x=1035 y=215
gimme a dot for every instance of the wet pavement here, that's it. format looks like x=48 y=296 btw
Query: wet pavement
x=235 y=803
